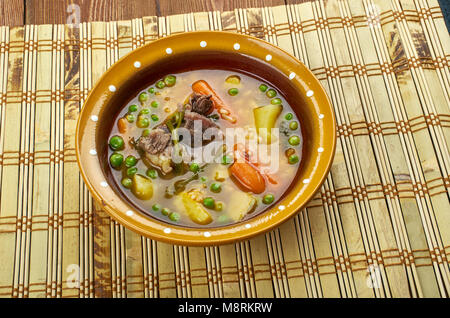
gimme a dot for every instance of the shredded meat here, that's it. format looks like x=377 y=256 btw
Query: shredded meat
x=157 y=145
x=155 y=142
x=193 y=119
x=190 y=117
x=201 y=104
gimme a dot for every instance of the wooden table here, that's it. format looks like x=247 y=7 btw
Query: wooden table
x=20 y=12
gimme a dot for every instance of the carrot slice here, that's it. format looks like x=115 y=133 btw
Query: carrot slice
x=122 y=125
x=202 y=87
x=248 y=177
x=243 y=152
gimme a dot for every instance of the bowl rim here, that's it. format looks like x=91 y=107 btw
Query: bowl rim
x=174 y=234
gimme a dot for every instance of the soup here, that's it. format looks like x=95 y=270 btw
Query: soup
x=205 y=148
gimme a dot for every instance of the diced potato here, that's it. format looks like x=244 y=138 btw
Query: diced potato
x=265 y=119
x=240 y=204
x=195 y=210
x=221 y=173
x=142 y=187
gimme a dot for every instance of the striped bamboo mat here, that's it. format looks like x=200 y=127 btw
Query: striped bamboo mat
x=378 y=227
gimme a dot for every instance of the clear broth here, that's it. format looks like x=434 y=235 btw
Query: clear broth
x=242 y=105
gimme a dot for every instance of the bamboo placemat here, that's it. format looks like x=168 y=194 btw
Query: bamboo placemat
x=378 y=227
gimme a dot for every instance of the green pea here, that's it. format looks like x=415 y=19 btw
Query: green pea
x=203 y=179
x=143 y=97
x=208 y=202
x=233 y=91
x=165 y=211
x=116 y=160
x=263 y=87
x=294 y=140
x=132 y=108
x=271 y=93
x=152 y=173
x=143 y=122
x=288 y=116
x=194 y=167
x=268 y=198
x=293 y=159
x=145 y=132
x=226 y=160
x=223 y=218
x=160 y=84
x=174 y=216
x=131 y=171
x=144 y=111
x=156 y=207
x=130 y=161
x=116 y=143
x=216 y=187
x=130 y=118
x=154 y=104
x=127 y=182
x=293 y=125
x=154 y=117
x=151 y=90
x=170 y=80
x=275 y=101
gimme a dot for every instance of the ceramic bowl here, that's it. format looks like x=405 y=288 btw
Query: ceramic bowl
x=194 y=50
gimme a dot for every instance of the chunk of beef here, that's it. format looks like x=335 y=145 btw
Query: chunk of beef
x=155 y=142
x=197 y=124
x=157 y=145
x=201 y=104
x=191 y=117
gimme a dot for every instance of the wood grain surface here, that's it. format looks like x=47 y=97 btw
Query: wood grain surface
x=20 y=12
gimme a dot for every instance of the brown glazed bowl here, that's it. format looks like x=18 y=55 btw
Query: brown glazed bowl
x=195 y=50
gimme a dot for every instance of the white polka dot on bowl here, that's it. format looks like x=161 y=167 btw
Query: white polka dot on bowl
x=93 y=152
x=281 y=207
x=247 y=226
x=137 y=64
x=321 y=116
x=292 y=75
x=268 y=57
x=94 y=118
x=167 y=230
x=129 y=213
x=169 y=50
x=207 y=234
x=309 y=93
x=236 y=46
x=104 y=184
x=203 y=43
x=306 y=181
x=320 y=149
x=112 y=88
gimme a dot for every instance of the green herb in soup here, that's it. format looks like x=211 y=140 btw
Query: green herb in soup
x=155 y=141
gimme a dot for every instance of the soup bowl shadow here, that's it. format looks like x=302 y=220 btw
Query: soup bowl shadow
x=205 y=50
